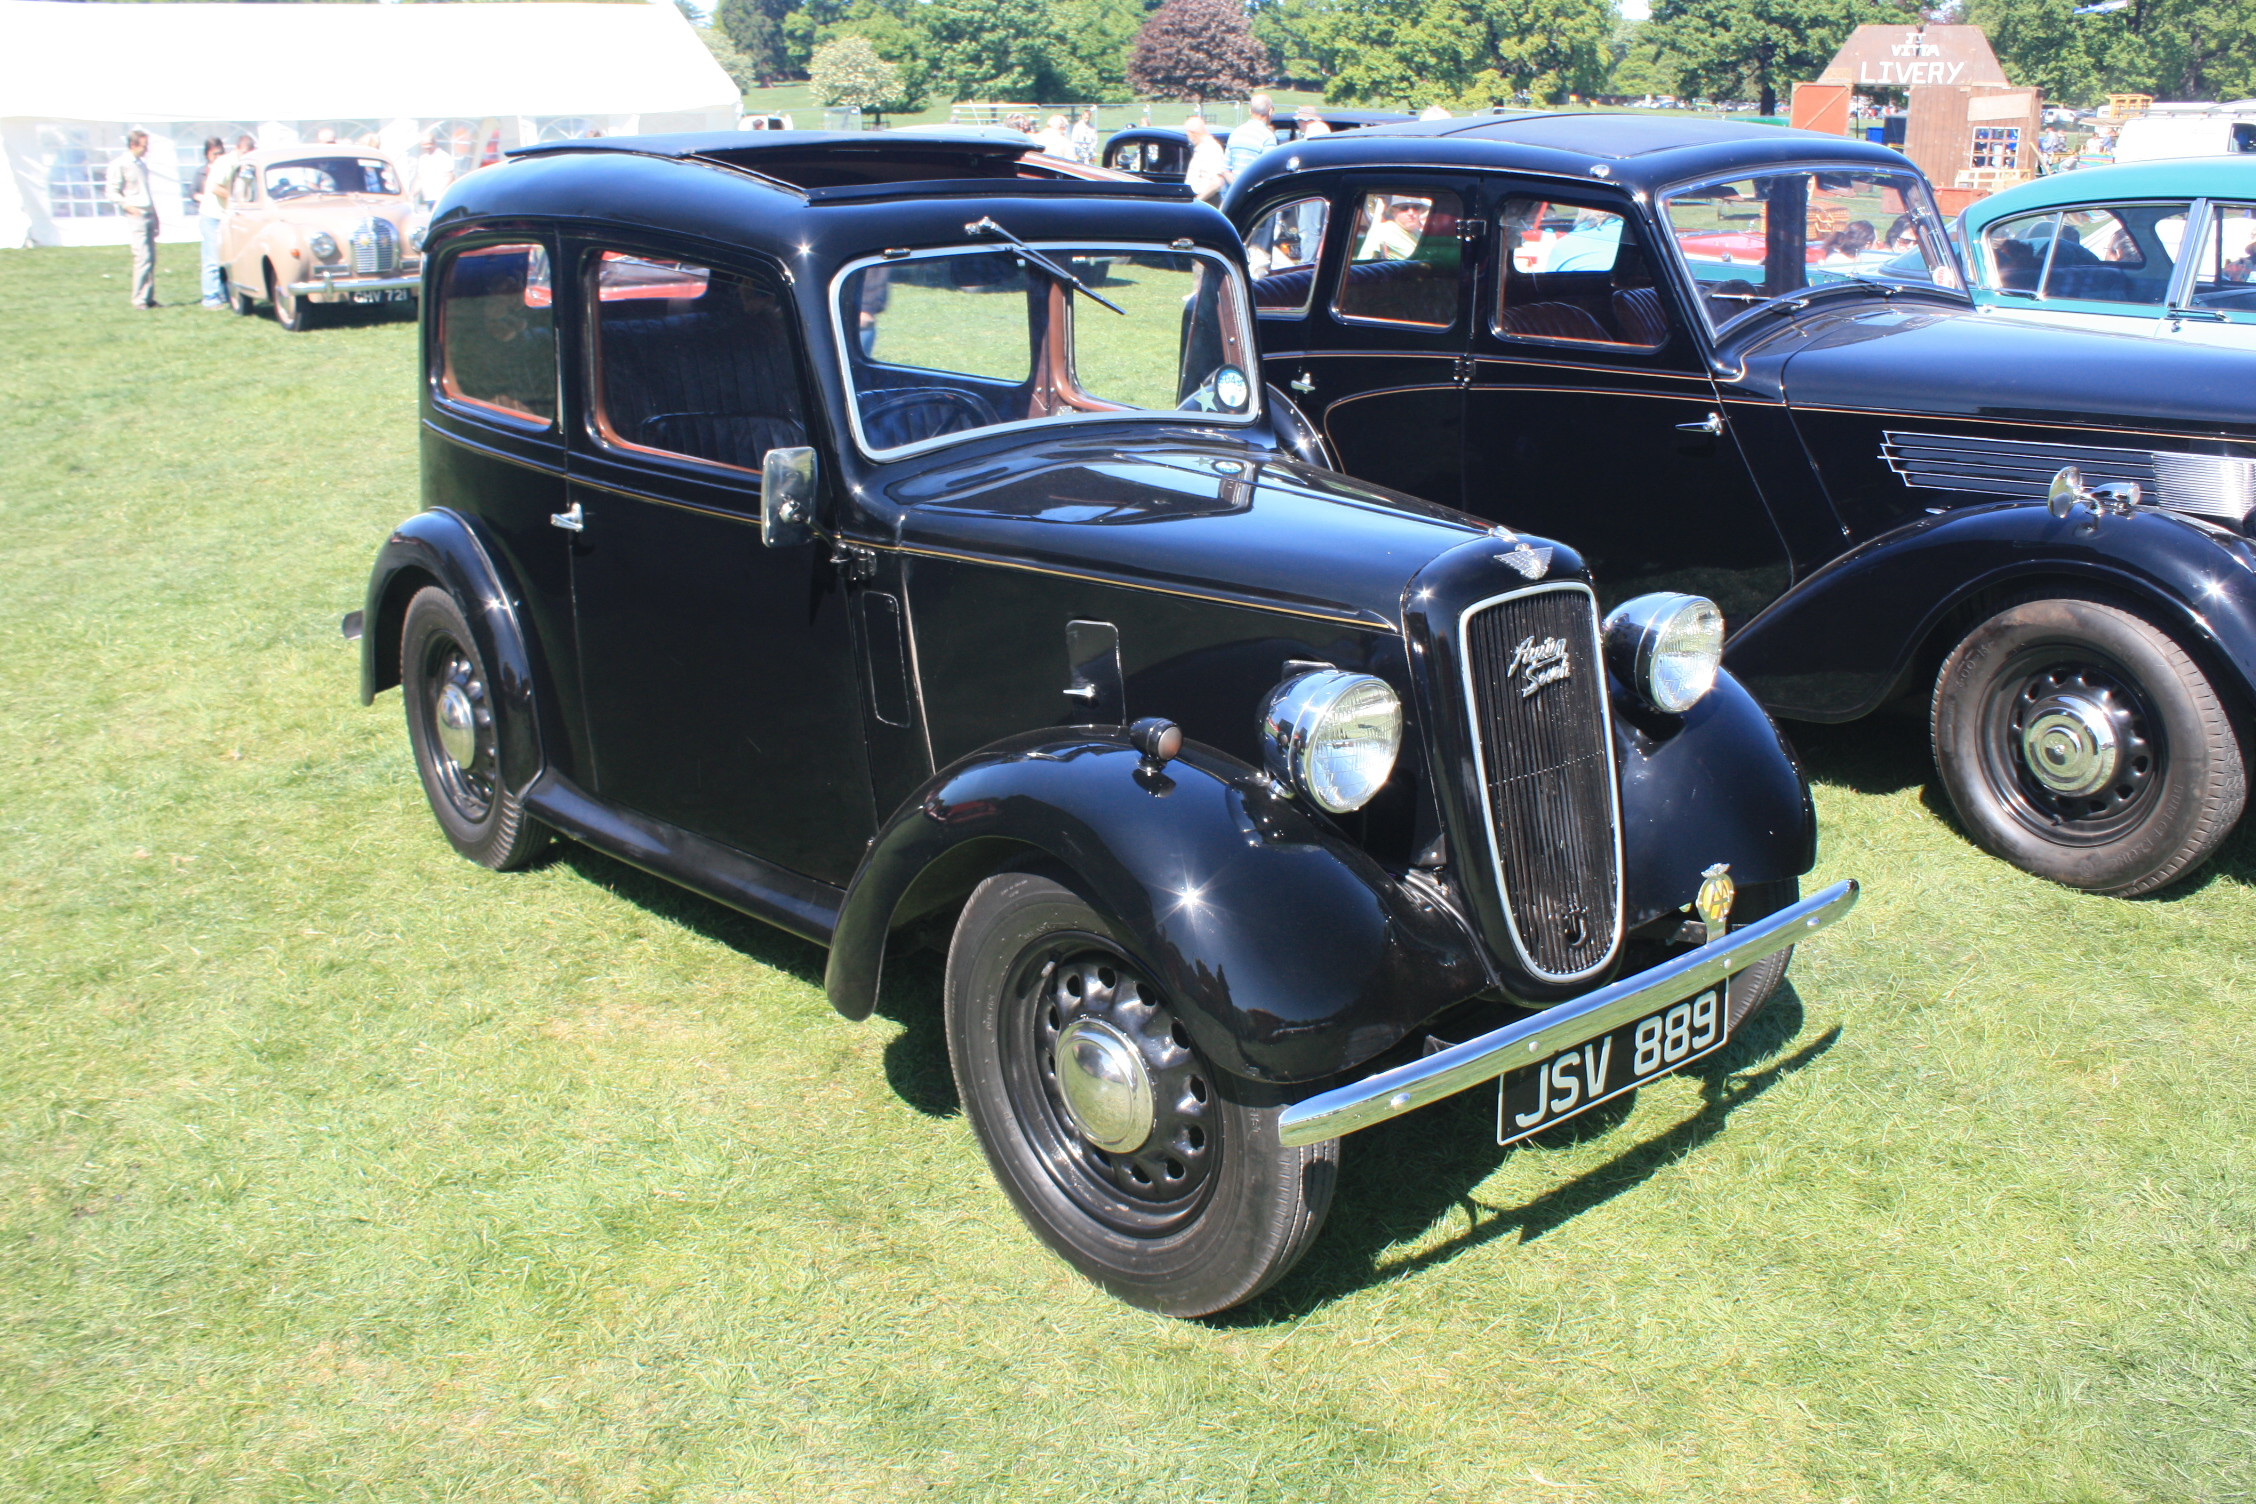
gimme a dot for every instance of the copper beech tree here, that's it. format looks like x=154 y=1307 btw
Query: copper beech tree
x=1197 y=50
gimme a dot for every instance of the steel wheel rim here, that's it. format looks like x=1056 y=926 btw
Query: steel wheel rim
x=455 y=693
x=2037 y=688
x=1148 y=1191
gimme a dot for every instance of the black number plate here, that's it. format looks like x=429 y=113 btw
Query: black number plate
x=1534 y=1097
x=379 y=295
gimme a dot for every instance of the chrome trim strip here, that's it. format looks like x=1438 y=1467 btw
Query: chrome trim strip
x=1406 y=1088
x=1371 y=623
x=355 y=284
x=1480 y=771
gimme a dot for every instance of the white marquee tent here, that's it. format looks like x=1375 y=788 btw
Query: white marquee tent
x=481 y=78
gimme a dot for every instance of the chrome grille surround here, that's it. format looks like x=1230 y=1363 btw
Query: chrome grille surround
x=2219 y=487
x=1550 y=793
x=375 y=247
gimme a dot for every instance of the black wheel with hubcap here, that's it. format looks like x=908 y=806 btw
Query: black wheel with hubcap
x=2080 y=742
x=457 y=739
x=1148 y=1170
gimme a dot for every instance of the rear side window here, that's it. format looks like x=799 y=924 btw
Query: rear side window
x=2115 y=254
x=693 y=361
x=1281 y=252
x=2225 y=274
x=1404 y=259
x=1572 y=272
x=497 y=335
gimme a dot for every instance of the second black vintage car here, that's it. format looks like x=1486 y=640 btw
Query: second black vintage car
x=890 y=539
x=1738 y=360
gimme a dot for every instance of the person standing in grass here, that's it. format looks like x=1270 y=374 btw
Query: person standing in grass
x=128 y=188
x=1209 y=170
x=211 y=207
x=1254 y=137
x=1085 y=136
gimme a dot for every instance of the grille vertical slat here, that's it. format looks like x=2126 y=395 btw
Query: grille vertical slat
x=1549 y=779
x=375 y=247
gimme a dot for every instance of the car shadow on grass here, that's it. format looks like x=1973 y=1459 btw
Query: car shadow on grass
x=754 y=939
x=1399 y=1178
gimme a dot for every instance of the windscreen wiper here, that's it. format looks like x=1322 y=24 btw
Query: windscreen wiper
x=987 y=226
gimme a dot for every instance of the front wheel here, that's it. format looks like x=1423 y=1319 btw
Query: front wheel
x=1125 y=1150
x=2080 y=742
x=457 y=738
x=293 y=313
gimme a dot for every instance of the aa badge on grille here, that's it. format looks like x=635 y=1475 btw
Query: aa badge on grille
x=1532 y=563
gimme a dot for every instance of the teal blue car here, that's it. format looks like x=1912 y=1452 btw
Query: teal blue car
x=2166 y=249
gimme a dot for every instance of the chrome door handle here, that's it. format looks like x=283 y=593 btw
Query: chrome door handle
x=569 y=519
x=1711 y=425
x=2205 y=315
x=1304 y=384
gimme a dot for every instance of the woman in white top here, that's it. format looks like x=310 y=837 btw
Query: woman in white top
x=211 y=208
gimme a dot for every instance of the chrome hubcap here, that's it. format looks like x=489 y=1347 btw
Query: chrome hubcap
x=458 y=726
x=2071 y=745
x=1107 y=1089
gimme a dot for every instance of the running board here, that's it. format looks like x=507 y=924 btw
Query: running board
x=806 y=907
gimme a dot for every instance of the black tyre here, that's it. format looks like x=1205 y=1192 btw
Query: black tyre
x=451 y=724
x=2080 y=742
x=293 y=313
x=1154 y=1174
x=1752 y=988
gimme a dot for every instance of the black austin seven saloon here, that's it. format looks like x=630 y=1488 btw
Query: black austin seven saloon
x=1740 y=360
x=892 y=540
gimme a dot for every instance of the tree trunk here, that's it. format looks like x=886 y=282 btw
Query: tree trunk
x=1769 y=98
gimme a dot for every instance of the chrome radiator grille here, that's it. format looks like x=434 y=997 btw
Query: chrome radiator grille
x=1536 y=688
x=375 y=248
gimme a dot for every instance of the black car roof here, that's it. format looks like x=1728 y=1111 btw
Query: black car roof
x=1633 y=150
x=819 y=198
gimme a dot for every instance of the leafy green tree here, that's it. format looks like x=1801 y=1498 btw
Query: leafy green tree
x=2172 y=49
x=1004 y=49
x=1729 y=48
x=755 y=28
x=849 y=71
x=1282 y=27
x=1197 y=50
x=1465 y=54
x=1643 y=62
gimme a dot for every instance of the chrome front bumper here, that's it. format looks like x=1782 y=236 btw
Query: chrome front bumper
x=1407 y=1088
x=320 y=285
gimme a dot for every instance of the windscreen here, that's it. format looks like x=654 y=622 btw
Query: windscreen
x=319 y=175
x=953 y=342
x=1755 y=240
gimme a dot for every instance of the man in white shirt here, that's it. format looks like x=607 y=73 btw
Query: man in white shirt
x=1085 y=137
x=1209 y=169
x=1254 y=137
x=128 y=188
x=434 y=172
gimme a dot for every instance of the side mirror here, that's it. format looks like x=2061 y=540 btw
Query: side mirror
x=787 y=497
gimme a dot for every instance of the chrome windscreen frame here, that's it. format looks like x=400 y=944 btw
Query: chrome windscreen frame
x=1246 y=341
x=1479 y=738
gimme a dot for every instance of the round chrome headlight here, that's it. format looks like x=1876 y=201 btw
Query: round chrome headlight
x=324 y=245
x=1667 y=647
x=1332 y=736
x=415 y=237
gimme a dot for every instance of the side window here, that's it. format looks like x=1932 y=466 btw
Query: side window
x=1404 y=259
x=2225 y=275
x=692 y=361
x=1574 y=272
x=1281 y=252
x=2117 y=254
x=497 y=337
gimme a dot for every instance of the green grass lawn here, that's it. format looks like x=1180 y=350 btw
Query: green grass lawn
x=333 y=1167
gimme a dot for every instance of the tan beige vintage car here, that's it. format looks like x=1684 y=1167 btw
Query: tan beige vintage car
x=310 y=225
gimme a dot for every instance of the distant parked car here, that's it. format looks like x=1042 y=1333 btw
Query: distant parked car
x=2107 y=248
x=1162 y=153
x=2160 y=137
x=313 y=225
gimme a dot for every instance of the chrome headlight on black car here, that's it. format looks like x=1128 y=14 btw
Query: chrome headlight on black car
x=1666 y=647
x=324 y=244
x=1332 y=736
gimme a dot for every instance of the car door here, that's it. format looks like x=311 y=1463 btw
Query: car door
x=239 y=232
x=1369 y=339
x=1591 y=416
x=2214 y=302
x=718 y=674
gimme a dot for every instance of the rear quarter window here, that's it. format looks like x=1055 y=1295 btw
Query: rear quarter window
x=497 y=335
